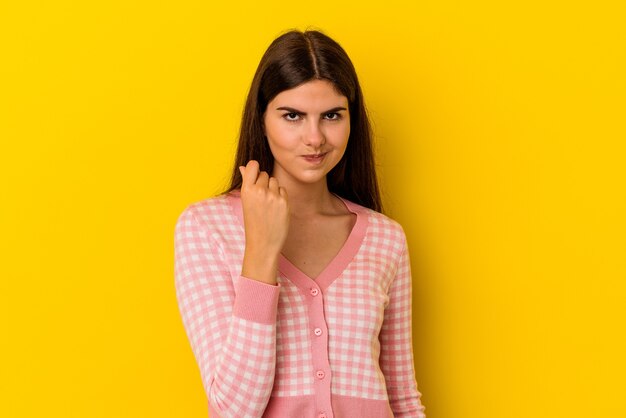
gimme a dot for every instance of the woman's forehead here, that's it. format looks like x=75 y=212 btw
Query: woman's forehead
x=312 y=95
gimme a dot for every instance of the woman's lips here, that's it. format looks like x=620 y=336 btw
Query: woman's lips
x=313 y=159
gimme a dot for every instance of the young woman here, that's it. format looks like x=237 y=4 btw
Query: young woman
x=293 y=286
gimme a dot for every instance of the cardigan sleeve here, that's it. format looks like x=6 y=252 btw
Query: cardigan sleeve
x=230 y=323
x=396 y=357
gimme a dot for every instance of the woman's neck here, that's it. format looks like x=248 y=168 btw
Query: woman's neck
x=310 y=199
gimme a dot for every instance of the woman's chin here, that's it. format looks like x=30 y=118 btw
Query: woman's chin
x=311 y=178
x=303 y=175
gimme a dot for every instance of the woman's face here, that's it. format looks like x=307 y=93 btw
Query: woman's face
x=310 y=119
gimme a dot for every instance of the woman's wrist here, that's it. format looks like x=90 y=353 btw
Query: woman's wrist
x=261 y=265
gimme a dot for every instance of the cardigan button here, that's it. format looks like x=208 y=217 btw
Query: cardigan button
x=318 y=331
x=321 y=415
x=320 y=374
x=314 y=291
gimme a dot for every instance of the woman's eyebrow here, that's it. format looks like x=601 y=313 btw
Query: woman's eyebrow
x=291 y=109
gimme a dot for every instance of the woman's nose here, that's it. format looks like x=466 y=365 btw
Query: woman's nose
x=314 y=136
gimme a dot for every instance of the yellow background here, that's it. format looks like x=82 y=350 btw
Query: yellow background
x=500 y=138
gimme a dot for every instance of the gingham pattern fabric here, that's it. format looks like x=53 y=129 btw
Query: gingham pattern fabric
x=339 y=346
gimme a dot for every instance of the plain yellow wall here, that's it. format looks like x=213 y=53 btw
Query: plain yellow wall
x=500 y=138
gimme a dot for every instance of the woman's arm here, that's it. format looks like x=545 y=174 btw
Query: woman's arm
x=231 y=327
x=396 y=358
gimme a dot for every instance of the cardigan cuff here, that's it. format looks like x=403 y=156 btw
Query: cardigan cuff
x=256 y=301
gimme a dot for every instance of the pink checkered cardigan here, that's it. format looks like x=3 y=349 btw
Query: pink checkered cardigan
x=337 y=346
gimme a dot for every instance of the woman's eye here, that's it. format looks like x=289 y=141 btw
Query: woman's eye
x=291 y=116
x=333 y=116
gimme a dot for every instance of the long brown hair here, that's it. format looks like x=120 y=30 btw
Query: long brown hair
x=293 y=58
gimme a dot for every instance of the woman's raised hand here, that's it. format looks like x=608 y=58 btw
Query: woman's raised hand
x=266 y=221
